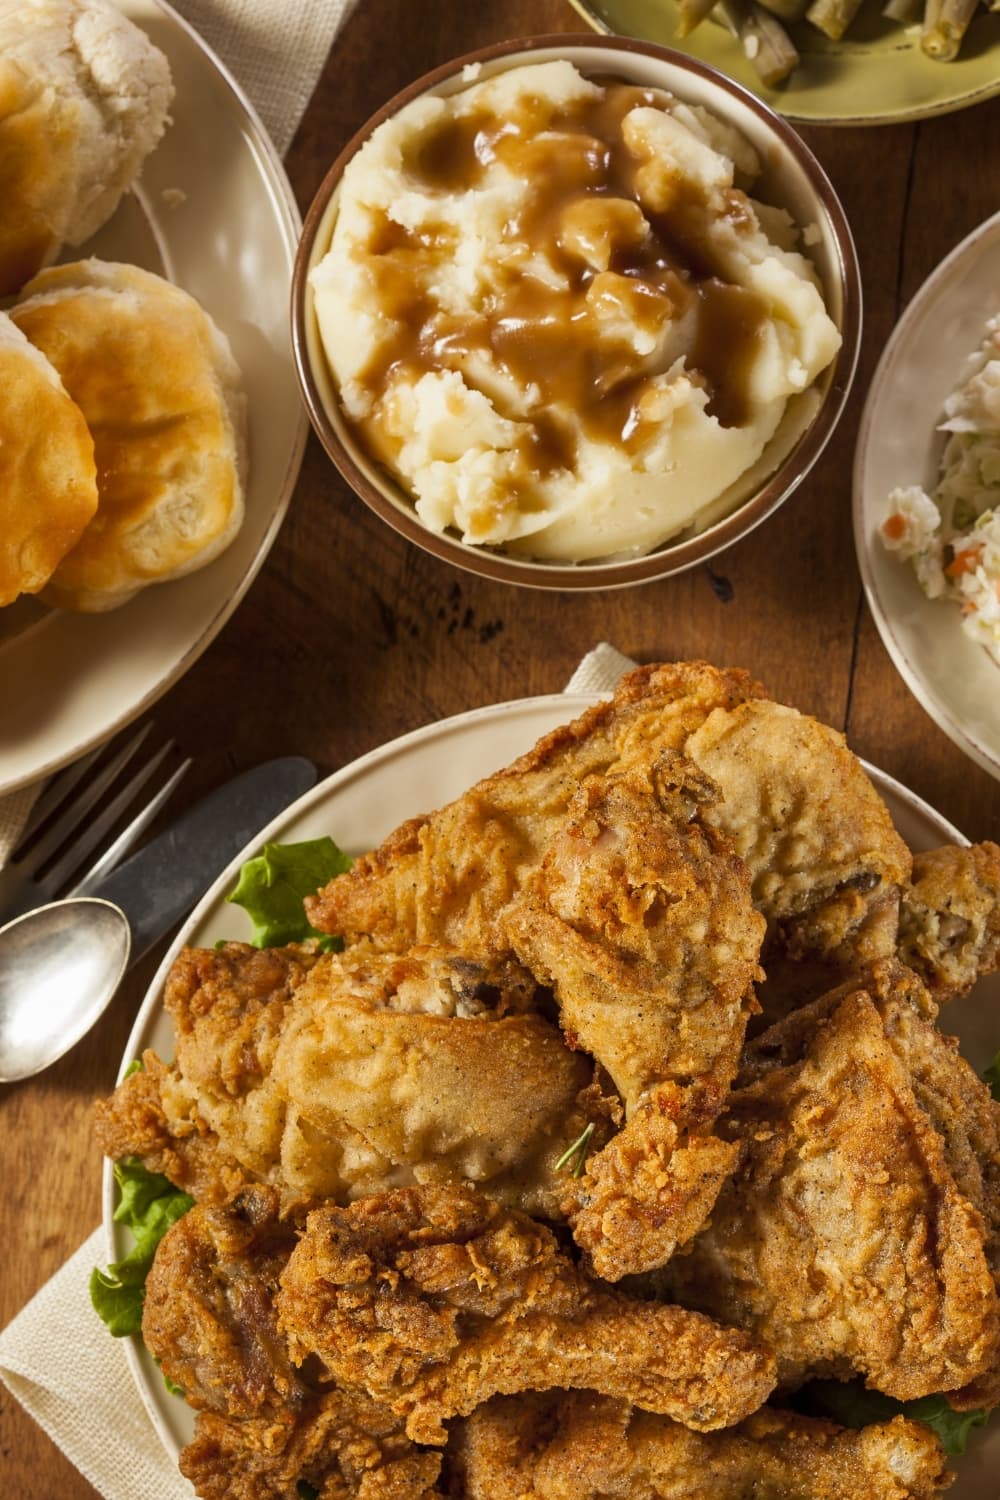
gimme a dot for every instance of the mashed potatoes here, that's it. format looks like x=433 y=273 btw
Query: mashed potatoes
x=556 y=321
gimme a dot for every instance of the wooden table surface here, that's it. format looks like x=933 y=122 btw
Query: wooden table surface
x=349 y=637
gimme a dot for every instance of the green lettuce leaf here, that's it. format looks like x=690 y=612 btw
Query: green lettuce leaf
x=148 y=1205
x=272 y=887
x=851 y=1405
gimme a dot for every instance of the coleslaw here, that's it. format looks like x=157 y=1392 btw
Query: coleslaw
x=952 y=535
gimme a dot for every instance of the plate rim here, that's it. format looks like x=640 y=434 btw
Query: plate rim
x=289 y=221
x=563 y=706
x=920 y=306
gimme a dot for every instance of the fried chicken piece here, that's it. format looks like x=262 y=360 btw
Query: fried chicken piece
x=444 y=877
x=342 y=1445
x=357 y=1071
x=578 y=1446
x=227 y=1006
x=639 y=918
x=208 y=1315
x=139 y=1119
x=858 y=1235
x=949 y=928
x=432 y=1300
x=825 y=860
x=263 y=1426
x=652 y=1186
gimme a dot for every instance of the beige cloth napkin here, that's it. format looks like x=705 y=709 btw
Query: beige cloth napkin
x=276 y=53
x=56 y=1356
x=275 y=50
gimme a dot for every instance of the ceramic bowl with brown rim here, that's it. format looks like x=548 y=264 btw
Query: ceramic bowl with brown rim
x=546 y=329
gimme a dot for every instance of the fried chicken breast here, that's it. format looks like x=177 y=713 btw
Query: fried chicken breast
x=825 y=861
x=328 y=1076
x=858 y=1234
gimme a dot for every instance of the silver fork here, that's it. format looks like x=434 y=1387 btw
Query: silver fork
x=50 y=859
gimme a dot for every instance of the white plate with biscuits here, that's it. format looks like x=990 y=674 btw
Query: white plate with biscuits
x=213 y=213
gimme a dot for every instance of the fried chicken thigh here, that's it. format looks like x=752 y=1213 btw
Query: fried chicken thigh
x=432 y=1300
x=354 y=1072
x=578 y=1446
x=859 y=1232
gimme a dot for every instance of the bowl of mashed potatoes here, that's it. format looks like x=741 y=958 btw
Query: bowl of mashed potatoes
x=575 y=313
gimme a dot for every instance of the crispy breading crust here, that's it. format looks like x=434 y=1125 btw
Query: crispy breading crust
x=434 y=1299
x=578 y=1446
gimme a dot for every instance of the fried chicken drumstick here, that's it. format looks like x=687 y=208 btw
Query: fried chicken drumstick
x=431 y=1300
x=578 y=1446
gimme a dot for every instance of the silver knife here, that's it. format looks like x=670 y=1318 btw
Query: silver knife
x=163 y=881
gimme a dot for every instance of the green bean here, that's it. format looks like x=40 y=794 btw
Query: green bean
x=906 y=12
x=765 y=42
x=692 y=13
x=944 y=25
x=833 y=16
x=787 y=10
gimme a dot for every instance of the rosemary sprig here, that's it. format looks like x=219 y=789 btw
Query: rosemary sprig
x=577 y=1149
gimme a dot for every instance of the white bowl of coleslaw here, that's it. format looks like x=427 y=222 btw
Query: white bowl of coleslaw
x=927 y=495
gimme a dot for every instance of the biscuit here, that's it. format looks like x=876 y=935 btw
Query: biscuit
x=84 y=96
x=160 y=390
x=48 y=478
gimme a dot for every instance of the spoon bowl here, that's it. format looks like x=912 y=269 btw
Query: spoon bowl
x=60 y=965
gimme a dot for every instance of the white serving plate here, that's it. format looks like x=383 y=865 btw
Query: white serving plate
x=214 y=213
x=953 y=678
x=359 y=806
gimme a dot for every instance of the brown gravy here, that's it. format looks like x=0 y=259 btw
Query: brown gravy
x=622 y=265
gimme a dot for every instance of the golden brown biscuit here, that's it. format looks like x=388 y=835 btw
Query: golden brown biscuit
x=48 y=479
x=159 y=388
x=84 y=96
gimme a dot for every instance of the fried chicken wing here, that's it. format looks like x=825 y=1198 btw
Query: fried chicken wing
x=638 y=917
x=643 y=928
x=355 y=1072
x=431 y=1300
x=858 y=1234
x=949 y=928
x=578 y=1446
x=653 y=1185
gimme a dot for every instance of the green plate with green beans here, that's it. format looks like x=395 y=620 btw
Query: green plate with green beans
x=878 y=72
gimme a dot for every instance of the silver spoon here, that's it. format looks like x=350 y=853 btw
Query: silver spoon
x=59 y=967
